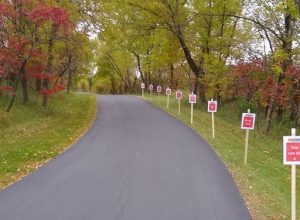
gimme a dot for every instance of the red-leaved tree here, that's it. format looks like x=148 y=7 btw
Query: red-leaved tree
x=22 y=53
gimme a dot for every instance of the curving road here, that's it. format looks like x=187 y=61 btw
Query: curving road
x=135 y=163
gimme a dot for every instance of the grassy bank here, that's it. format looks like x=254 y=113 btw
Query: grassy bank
x=31 y=135
x=264 y=182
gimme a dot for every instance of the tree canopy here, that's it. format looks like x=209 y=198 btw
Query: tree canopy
x=226 y=49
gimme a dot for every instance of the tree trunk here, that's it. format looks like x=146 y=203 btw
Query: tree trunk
x=279 y=113
x=45 y=95
x=134 y=85
x=192 y=64
x=113 y=84
x=172 y=75
x=12 y=100
x=38 y=85
x=294 y=105
x=218 y=95
x=69 y=82
x=197 y=70
x=196 y=85
x=11 y=103
x=269 y=116
x=258 y=116
x=25 y=89
x=90 y=81
x=24 y=82
x=287 y=45
x=128 y=79
x=46 y=82
x=266 y=110
x=138 y=59
x=202 y=95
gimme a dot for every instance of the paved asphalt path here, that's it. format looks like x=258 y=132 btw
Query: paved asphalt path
x=135 y=163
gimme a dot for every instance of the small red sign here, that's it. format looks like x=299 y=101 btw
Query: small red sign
x=178 y=95
x=291 y=150
x=212 y=106
x=192 y=98
x=142 y=85
x=248 y=121
x=168 y=91
x=158 y=89
x=150 y=87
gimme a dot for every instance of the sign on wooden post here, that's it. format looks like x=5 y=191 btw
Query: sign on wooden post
x=150 y=89
x=192 y=101
x=178 y=97
x=168 y=93
x=212 y=107
x=158 y=89
x=143 y=87
x=248 y=122
x=291 y=156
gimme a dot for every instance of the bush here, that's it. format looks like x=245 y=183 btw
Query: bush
x=243 y=105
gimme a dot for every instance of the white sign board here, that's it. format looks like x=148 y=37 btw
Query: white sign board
x=158 y=89
x=212 y=106
x=150 y=87
x=142 y=85
x=248 y=121
x=168 y=91
x=291 y=150
x=192 y=98
x=178 y=95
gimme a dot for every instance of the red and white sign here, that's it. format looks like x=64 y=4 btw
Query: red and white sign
x=178 y=95
x=150 y=87
x=248 y=121
x=158 y=89
x=291 y=150
x=212 y=106
x=142 y=85
x=192 y=98
x=168 y=91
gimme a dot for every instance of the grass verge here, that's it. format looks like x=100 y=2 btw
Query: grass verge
x=31 y=135
x=264 y=182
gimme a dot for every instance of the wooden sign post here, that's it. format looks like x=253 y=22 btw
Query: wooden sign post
x=142 y=87
x=178 y=97
x=248 y=122
x=212 y=107
x=150 y=89
x=192 y=101
x=158 y=89
x=291 y=156
x=168 y=93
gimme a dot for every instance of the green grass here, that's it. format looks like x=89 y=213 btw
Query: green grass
x=31 y=135
x=264 y=182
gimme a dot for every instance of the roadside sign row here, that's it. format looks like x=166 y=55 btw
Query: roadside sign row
x=291 y=144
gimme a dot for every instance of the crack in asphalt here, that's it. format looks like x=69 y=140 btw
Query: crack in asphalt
x=124 y=186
